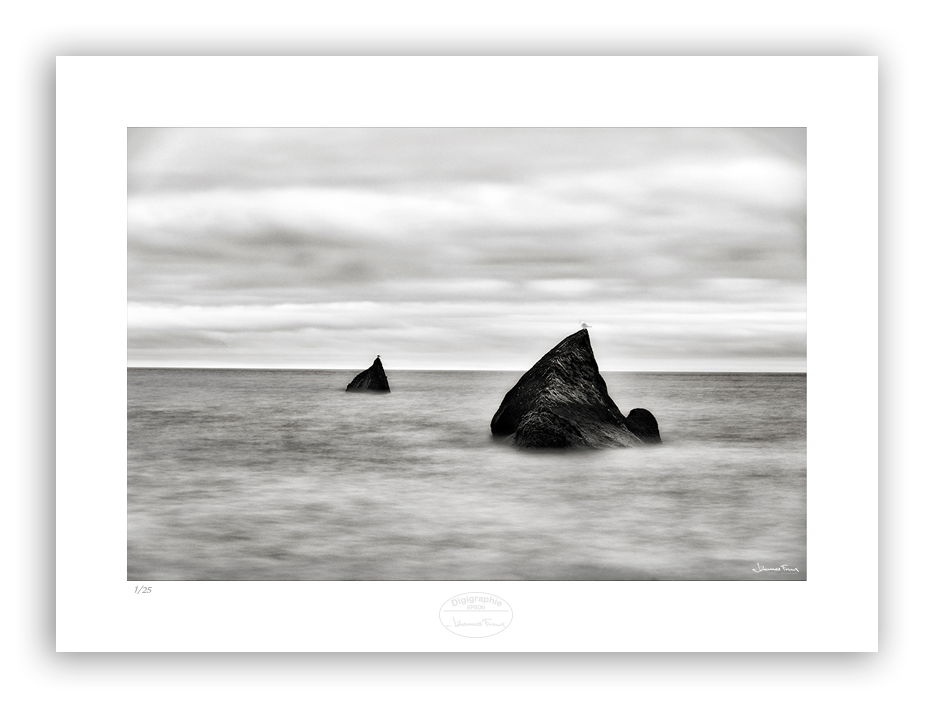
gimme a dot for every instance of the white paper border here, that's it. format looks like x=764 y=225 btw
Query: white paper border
x=97 y=98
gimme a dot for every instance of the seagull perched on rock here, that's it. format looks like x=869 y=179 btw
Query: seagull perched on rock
x=584 y=325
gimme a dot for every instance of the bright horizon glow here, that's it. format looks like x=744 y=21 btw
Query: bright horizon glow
x=517 y=371
x=407 y=369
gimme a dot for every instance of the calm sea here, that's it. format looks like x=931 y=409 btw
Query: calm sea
x=282 y=475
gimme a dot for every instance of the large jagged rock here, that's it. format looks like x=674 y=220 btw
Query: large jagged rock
x=372 y=379
x=562 y=402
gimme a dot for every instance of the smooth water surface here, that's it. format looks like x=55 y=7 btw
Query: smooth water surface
x=282 y=475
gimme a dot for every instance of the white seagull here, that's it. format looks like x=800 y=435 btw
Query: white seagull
x=584 y=325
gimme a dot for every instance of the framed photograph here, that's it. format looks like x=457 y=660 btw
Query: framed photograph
x=466 y=354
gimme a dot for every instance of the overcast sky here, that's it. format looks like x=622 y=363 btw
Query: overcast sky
x=466 y=248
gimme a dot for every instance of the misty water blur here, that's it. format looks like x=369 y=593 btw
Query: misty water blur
x=281 y=475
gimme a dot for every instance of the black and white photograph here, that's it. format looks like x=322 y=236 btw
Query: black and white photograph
x=435 y=354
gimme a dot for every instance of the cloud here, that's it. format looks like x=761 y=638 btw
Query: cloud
x=260 y=241
x=466 y=334
x=168 y=339
x=201 y=159
x=588 y=226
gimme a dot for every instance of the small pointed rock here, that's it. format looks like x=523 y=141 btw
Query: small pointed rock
x=372 y=379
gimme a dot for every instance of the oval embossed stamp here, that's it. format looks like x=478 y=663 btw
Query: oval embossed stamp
x=476 y=615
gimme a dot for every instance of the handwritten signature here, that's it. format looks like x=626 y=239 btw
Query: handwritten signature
x=485 y=622
x=782 y=568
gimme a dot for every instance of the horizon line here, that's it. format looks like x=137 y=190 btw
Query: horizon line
x=464 y=369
